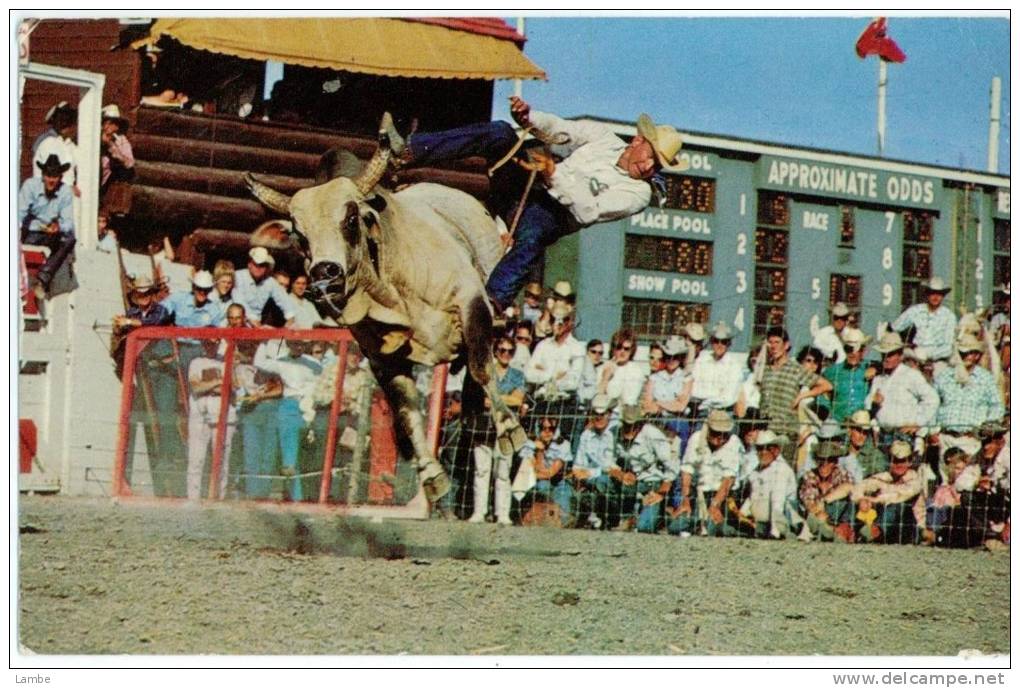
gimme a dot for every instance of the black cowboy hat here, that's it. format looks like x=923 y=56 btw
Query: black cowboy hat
x=52 y=167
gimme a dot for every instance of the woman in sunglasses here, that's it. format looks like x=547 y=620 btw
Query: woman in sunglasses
x=623 y=378
x=591 y=371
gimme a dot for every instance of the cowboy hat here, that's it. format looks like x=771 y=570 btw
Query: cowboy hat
x=112 y=112
x=889 y=342
x=936 y=284
x=916 y=353
x=695 y=332
x=853 y=337
x=859 y=419
x=901 y=450
x=142 y=284
x=829 y=429
x=260 y=256
x=722 y=331
x=563 y=289
x=53 y=167
x=719 y=421
x=533 y=289
x=674 y=346
x=968 y=342
x=561 y=311
x=665 y=141
x=602 y=403
x=631 y=414
x=202 y=280
x=62 y=105
x=829 y=450
x=767 y=438
x=840 y=310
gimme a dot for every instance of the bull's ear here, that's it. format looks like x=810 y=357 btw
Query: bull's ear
x=376 y=203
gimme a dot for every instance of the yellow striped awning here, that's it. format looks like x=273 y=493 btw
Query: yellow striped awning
x=381 y=46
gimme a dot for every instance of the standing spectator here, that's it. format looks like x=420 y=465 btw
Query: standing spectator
x=850 y=377
x=510 y=384
x=934 y=324
x=906 y=403
x=717 y=374
x=532 y=306
x=223 y=279
x=886 y=501
x=969 y=398
x=591 y=372
x=828 y=339
x=298 y=382
x=555 y=368
x=784 y=385
x=550 y=456
x=595 y=457
x=998 y=325
x=254 y=288
x=46 y=218
x=306 y=315
x=822 y=495
x=236 y=316
x=713 y=458
x=205 y=379
x=116 y=162
x=648 y=471
x=668 y=392
x=772 y=504
x=524 y=336
x=58 y=140
x=562 y=295
x=258 y=401
x=862 y=457
x=623 y=378
x=194 y=309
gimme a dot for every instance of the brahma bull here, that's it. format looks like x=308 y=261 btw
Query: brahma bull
x=405 y=271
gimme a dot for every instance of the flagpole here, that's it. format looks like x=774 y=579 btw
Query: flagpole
x=883 y=78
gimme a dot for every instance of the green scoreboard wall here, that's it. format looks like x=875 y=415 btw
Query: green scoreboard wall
x=754 y=240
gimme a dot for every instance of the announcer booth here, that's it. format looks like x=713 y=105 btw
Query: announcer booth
x=756 y=234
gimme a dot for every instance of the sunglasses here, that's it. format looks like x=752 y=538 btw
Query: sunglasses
x=548 y=428
x=504 y=350
x=719 y=341
x=524 y=340
x=624 y=347
x=598 y=352
x=202 y=289
x=561 y=321
x=851 y=348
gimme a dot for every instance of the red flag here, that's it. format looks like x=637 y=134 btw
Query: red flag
x=874 y=41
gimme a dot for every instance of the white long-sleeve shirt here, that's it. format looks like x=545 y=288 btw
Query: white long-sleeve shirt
x=627 y=383
x=298 y=379
x=908 y=399
x=711 y=467
x=588 y=182
x=773 y=490
x=549 y=359
x=717 y=382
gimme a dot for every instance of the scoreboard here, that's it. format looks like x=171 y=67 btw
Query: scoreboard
x=757 y=234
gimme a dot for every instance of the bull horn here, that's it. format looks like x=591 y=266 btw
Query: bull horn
x=269 y=197
x=374 y=170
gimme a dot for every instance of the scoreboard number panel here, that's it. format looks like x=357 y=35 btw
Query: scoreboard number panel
x=696 y=194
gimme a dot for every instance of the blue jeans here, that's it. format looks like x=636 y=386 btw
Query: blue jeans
x=688 y=523
x=60 y=245
x=258 y=433
x=561 y=494
x=290 y=426
x=650 y=516
x=542 y=221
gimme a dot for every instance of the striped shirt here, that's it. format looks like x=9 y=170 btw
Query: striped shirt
x=967 y=406
x=934 y=330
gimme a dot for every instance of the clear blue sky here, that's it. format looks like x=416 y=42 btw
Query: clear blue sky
x=788 y=80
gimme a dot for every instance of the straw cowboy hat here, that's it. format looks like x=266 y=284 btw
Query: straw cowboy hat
x=631 y=414
x=142 y=284
x=889 y=342
x=968 y=342
x=260 y=256
x=840 y=310
x=602 y=403
x=695 y=332
x=722 y=331
x=936 y=284
x=853 y=337
x=665 y=141
x=202 y=280
x=767 y=438
x=674 y=346
x=829 y=449
x=112 y=112
x=563 y=289
x=719 y=421
x=859 y=419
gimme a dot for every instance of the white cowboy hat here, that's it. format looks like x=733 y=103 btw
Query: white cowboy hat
x=665 y=141
x=260 y=256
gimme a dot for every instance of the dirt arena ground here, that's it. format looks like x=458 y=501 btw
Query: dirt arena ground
x=103 y=578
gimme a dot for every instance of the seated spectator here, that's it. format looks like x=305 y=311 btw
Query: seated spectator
x=116 y=162
x=862 y=457
x=749 y=427
x=707 y=474
x=253 y=288
x=144 y=309
x=717 y=374
x=107 y=237
x=849 y=377
x=828 y=339
x=829 y=513
x=555 y=369
x=223 y=279
x=623 y=378
x=532 y=306
x=828 y=430
x=905 y=402
x=205 y=380
x=647 y=472
x=194 y=309
x=985 y=487
x=655 y=362
x=771 y=508
x=695 y=335
x=524 y=337
x=668 y=392
x=945 y=525
x=784 y=386
x=591 y=372
x=934 y=325
x=510 y=383
x=886 y=502
x=549 y=456
x=46 y=218
x=306 y=315
x=598 y=496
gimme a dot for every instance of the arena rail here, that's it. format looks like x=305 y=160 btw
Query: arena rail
x=137 y=341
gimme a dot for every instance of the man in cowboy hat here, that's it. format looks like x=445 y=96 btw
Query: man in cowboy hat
x=934 y=324
x=905 y=401
x=772 y=504
x=827 y=339
x=710 y=465
x=253 y=287
x=117 y=160
x=599 y=178
x=849 y=377
x=59 y=140
x=717 y=373
x=645 y=454
x=969 y=396
x=46 y=218
x=144 y=309
x=886 y=501
x=827 y=509
x=668 y=392
x=595 y=456
x=861 y=458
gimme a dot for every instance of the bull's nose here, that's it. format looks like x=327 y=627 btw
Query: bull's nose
x=326 y=271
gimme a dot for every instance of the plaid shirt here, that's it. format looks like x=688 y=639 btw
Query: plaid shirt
x=813 y=488
x=778 y=390
x=965 y=407
x=934 y=330
x=849 y=389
